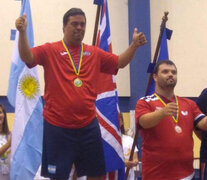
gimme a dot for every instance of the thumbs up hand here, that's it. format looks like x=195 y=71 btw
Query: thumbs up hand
x=21 y=23
x=138 y=38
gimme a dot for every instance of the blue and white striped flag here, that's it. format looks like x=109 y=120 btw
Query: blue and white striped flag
x=23 y=94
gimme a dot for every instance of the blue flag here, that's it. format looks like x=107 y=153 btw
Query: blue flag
x=163 y=55
x=98 y=2
x=107 y=107
x=23 y=94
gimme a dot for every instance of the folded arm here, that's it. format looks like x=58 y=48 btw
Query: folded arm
x=5 y=147
x=133 y=162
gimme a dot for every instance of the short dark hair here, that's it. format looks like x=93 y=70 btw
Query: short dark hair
x=169 y=62
x=72 y=12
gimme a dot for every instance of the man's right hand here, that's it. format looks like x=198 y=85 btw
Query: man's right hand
x=170 y=109
x=21 y=23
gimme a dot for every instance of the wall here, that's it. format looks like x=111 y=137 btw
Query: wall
x=187 y=47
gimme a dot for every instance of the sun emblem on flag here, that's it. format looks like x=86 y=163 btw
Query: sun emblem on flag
x=29 y=86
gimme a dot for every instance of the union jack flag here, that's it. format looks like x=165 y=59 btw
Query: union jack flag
x=107 y=107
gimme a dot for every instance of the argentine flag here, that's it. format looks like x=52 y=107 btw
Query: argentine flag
x=23 y=94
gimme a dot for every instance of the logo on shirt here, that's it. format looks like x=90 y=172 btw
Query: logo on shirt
x=184 y=113
x=86 y=53
x=158 y=108
x=63 y=53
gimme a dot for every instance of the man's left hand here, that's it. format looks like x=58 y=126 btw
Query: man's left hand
x=138 y=38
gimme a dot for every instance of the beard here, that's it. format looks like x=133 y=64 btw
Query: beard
x=170 y=83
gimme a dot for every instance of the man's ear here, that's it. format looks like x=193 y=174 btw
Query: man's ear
x=154 y=77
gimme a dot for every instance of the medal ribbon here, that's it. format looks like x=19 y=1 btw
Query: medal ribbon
x=175 y=118
x=76 y=69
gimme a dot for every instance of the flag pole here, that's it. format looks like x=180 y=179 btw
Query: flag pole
x=132 y=153
x=164 y=20
x=163 y=23
x=96 y=25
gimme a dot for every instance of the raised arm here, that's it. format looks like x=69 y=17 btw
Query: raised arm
x=151 y=119
x=137 y=41
x=23 y=44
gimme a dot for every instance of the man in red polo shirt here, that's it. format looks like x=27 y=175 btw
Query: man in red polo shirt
x=166 y=123
x=71 y=69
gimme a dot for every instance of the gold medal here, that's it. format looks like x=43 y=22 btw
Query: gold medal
x=77 y=82
x=178 y=129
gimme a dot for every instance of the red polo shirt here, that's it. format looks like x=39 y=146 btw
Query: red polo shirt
x=66 y=105
x=167 y=154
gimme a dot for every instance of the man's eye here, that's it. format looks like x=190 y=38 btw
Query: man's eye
x=74 y=23
x=165 y=72
x=82 y=24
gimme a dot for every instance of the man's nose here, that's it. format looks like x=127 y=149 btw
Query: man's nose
x=78 y=26
x=170 y=73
